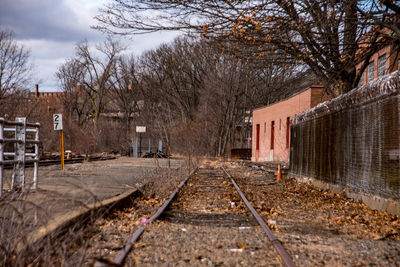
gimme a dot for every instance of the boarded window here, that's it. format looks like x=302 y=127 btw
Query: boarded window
x=382 y=65
x=371 y=70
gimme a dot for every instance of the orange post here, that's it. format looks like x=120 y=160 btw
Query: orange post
x=279 y=173
x=62 y=149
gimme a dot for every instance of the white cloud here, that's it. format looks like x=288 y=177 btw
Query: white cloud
x=47 y=57
x=50 y=29
x=139 y=43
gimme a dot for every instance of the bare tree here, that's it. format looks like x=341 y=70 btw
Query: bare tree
x=75 y=100
x=171 y=77
x=159 y=109
x=197 y=96
x=15 y=67
x=386 y=15
x=222 y=100
x=87 y=80
x=125 y=93
x=96 y=72
x=324 y=35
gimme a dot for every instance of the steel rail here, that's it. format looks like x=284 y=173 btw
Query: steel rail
x=275 y=241
x=13 y=140
x=18 y=123
x=119 y=259
x=45 y=162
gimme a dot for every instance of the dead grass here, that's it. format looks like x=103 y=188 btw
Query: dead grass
x=23 y=213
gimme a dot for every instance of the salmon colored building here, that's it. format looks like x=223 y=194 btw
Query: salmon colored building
x=271 y=124
x=386 y=60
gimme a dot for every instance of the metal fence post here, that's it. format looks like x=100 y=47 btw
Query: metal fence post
x=18 y=179
x=1 y=154
x=135 y=148
x=36 y=163
x=149 y=145
x=159 y=149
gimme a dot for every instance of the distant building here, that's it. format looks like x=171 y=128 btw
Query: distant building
x=386 y=60
x=51 y=100
x=271 y=124
x=44 y=95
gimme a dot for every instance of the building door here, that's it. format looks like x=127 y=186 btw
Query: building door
x=287 y=132
x=257 y=152
x=272 y=140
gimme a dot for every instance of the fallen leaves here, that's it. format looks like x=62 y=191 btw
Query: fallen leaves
x=291 y=199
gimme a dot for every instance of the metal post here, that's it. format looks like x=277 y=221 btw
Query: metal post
x=18 y=179
x=149 y=145
x=62 y=149
x=36 y=164
x=159 y=146
x=1 y=155
x=140 y=144
x=135 y=148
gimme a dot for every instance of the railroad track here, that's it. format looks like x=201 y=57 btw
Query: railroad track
x=208 y=216
x=48 y=162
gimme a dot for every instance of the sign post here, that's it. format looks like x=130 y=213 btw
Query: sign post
x=58 y=126
x=140 y=130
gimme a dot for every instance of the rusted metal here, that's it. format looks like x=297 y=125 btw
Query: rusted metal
x=19 y=156
x=277 y=244
x=119 y=259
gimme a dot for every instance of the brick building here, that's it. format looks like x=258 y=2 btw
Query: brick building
x=52 y=101
x=386 y=60
x=271 y=124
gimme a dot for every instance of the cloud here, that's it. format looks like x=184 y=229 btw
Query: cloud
x=57 y=20
x=47 y=49
x=50 y=29
x=48 y=56
x=137 y=44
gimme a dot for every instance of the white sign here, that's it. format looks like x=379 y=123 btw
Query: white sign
x=57 y=121
x=140 y=129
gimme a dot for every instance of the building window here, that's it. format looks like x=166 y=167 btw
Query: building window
x=382 y=65
x=272 y=134
x=265 y=127
x=371 y=70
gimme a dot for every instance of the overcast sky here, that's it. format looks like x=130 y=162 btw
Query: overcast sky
x=51 y=28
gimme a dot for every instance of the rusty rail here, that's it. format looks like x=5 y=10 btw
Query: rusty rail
x=275 y=241
x=121 y=256
x=119 y=259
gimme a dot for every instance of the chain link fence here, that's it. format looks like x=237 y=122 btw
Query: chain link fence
x=352 y=141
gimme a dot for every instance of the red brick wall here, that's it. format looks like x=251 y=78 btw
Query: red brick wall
x=278 y=113
x=392 y=62
x=318 y=95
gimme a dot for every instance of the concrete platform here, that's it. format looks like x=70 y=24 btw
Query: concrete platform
x=65 y=195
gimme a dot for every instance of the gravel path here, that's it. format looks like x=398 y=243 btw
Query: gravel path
x=205 y=227
x=208 y=225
